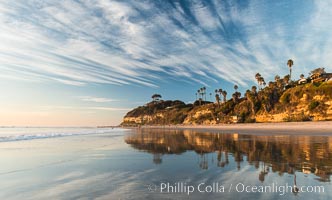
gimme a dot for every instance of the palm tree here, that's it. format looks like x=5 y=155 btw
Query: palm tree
x=286 y=79
x=236 y=96
x=204 y=92
x=257 y=76
x=280 y=84
x=277 y=78
x=247 y=94
x=271 y=84
x=220 y=91
x=236 y=87
x=290 y=63
x=254 y=90
x=210 y=96
x=261 y=81
x=278 y=81
x=199 y=96
x=302 y=76
x=218 y=99
x=224 y=94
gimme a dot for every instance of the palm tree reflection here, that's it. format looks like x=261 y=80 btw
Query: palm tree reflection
x=263 y=173
x=281 y=154
x=203 y=164
x=157 y=158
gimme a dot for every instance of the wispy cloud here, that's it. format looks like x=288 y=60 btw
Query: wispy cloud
x=82 y=108
x=109 y=108
x=134 y=42
x=96 y=99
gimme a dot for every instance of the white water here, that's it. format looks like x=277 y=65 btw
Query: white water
x=17 y=134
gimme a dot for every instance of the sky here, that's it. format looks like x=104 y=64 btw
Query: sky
x=88 y=62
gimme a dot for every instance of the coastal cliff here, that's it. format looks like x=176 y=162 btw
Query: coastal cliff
x=306 y=102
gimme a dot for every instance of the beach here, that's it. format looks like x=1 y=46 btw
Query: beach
x=165 y=163
x=283 y=128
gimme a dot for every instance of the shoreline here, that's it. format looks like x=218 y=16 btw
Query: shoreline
x=320 y=128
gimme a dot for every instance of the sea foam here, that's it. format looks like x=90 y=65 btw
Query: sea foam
x=18 y=134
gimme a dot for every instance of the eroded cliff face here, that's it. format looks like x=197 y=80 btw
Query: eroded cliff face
x=158 y=113
x=138 y=119
x=201 y=115
x=302 y=103
x=302 y=111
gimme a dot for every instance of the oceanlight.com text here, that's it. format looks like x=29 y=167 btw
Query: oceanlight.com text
x=275 y=188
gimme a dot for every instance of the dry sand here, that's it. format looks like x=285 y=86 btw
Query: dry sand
x=285 y=128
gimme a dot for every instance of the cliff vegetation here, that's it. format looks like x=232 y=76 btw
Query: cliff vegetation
x=281 y=100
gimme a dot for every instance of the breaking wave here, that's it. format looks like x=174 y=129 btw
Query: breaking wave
x=18 y=134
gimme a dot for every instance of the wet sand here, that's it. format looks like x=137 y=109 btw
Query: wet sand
x=322 y=128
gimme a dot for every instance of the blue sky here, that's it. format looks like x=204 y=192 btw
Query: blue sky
x=87 y=62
